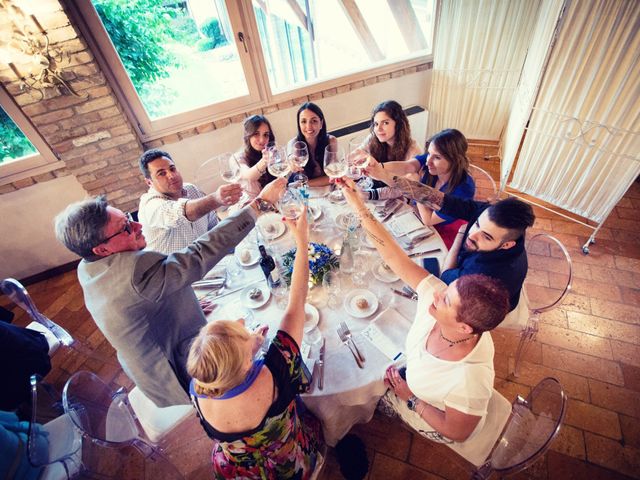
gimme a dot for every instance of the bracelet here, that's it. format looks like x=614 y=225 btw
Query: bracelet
x=424 y=405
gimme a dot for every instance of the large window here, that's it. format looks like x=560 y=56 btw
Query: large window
x=23 y=152
x=178 y=63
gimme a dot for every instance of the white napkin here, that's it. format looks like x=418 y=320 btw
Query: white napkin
x=387 y=333
x=404 y=223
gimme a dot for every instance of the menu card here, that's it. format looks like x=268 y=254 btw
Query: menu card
x=387 y=332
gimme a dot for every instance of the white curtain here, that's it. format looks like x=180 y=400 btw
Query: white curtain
x=479 y=51
x=581 y=150
x=525 y=95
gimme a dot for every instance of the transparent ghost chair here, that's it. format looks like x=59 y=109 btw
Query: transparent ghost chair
x=486 y=189
x=532 y=426
x=105 y=417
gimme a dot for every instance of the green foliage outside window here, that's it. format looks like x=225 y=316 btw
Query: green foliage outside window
x=139 y=29
x=13 y=143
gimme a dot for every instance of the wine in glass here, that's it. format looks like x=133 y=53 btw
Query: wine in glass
x=290 y=204
x=358 y=161
x=277 y=163
x=299 y=155
x=335 y=166
x=229 y=168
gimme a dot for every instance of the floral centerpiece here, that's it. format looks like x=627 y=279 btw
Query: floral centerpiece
x=321 y=260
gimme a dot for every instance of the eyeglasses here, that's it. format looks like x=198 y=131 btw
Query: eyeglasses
x=127 y=228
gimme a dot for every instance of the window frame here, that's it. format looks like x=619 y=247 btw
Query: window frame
x=241 y=19
x=41 y=162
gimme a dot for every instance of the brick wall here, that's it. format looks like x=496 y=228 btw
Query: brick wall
x=90 y=134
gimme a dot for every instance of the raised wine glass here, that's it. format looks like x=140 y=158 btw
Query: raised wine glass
x=335 y=166
x=299 y=155
x=278 y=163
x=229 y=169
x=290 y=204
x=358 y=161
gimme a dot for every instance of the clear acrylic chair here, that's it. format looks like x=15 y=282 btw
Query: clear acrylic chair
x=54 y=333
x=13 y=289
x=532 y=426
x=55 y=446
x=548 y=282
x=106 y=418
x=486 y=189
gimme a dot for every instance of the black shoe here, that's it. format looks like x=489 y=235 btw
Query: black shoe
x=352 y=457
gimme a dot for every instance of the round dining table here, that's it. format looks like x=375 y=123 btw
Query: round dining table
x=350 y=393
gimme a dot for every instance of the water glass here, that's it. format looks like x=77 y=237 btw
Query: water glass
x=361 y=264
x=233 y=272
x=280 y=293
x=332 y=284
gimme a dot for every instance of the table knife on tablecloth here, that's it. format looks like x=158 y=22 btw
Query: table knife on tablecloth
x=393 y=210
x=321 y=366
x=424 y=253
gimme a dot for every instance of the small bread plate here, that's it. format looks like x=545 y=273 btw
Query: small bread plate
x=247 y=256
x=315 y=212
x=272 y=226
x=360 y=303
x=383 y=273
x=258 y=301
x=311 y=317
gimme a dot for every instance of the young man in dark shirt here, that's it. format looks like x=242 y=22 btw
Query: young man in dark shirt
x=491 y=243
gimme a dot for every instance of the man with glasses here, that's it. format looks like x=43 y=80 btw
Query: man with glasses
x=173 y=213
x=142 y=300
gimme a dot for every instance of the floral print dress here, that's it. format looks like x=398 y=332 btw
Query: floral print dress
x=286 y=443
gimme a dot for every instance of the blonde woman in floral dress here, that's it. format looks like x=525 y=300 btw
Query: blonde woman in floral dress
x=249 y=404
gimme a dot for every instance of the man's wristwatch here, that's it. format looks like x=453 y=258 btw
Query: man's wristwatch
x=412 y=403
x=264 y=206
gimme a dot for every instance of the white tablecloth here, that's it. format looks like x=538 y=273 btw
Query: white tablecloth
x=350 y=394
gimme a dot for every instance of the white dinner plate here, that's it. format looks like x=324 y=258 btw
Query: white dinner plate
x=272 y=226
x=311 y=317
x=253 y=256
x=258 y=302
x=383 y=274
x=350 y=303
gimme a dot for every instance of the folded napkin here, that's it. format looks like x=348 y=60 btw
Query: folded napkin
x=388 y=332
x=404 y=223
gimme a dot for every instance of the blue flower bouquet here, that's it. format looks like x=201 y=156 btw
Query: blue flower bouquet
x=321 y=260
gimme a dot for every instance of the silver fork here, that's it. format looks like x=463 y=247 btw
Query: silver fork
x=347 y=333
x=346 y=341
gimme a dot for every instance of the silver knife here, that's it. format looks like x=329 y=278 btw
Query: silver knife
x=392 y=211
x=404 y=294
x=321 y=366
x=422 y=254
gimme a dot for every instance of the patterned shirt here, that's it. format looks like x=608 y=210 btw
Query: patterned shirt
x=164 y=223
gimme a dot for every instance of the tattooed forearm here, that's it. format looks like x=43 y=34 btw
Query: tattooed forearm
x=419 y=192
x=376 y=239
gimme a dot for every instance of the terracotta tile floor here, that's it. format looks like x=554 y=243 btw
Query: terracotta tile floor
x=591 y=344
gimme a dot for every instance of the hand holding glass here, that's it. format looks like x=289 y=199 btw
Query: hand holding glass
x=277 y=163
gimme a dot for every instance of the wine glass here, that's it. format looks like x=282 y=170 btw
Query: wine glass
x=229 y=168
x=299 y=155
x=335 y=166
x=290 y=204
x=277 y=162
x=332 y=285
x=280 y=293
x=358 y=161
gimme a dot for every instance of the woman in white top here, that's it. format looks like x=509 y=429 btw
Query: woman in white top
x=448 y=389
x=253 y=165
x=312 y=130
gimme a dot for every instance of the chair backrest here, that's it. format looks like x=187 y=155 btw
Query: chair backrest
x=13 y=289
x=60 y=450
x=550 y=273
x=534 y=423
x=98 y=411
x=486 y=189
